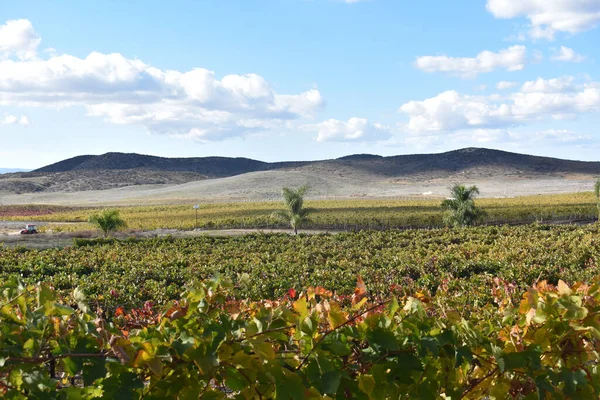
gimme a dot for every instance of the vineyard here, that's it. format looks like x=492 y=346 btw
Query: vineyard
x=453 y=287
x=329 y=214
x=485 y=312
x=267 y=266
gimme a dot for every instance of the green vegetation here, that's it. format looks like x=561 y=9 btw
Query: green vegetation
x=314 y=345
x=131 y=272
x=108 y=221
x=460 y=208
x=481 y=312
x=597 y=194
x=295 y=213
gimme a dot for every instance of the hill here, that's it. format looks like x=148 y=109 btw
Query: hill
x=485 y=161
x=11 y=170
x=213 y=167
x=135 y=177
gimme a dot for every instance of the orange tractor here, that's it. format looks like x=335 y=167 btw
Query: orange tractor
x=30 y=229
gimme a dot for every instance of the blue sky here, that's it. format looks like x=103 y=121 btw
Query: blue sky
x=297 y=79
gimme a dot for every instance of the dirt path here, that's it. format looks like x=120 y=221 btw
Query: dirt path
x=10 y=237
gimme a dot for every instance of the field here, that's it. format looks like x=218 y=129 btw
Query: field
x=483 y=312
x=308 y=316
x=328 y=215
x=267 y=266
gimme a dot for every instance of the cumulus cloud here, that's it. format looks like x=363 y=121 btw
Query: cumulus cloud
x=510 y=59
x=451 y=111
x=504 y=85
x=18 y=38
x=567 y=54
x=487 y=137
x=562 y=136
x=353 y=130
x=555 y=85
x=193 y=103
x=14 y=120
x=550 y=16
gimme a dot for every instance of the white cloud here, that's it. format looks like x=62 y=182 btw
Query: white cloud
x=498 y=137
x=550 y=16
x=504 y=85
x=24 y=121
x=562 y=136
x=354 y=130
x=8 y=120
x=555 y=85
x=17 y=37
x=193 y=103
x=510 y=59
x=450 y=111
x=13 y=120
x=567 y=54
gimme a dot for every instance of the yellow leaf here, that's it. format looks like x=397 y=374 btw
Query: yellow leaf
x=301 y=307
x=366 y=383
x=563 y=288
x=264 y=350
x=499 y=390
x=336 y=315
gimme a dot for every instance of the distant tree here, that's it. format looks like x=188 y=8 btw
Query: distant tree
x=460 y=207
x=597 y=193
x=295 y=214
x=108 y=221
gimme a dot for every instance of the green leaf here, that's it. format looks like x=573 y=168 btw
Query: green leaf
x=95 y=369
x=76 y=393
x=383 y=338
x=59 y=309
x=44 y=295
x=393 y=306
x=72 y=365
x=79 y=297
x=366 y=383
x=463 y=353
x=331 y=381
x=235 y=380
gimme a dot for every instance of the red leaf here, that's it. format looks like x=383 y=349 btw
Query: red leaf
x=292 y=293
x=361 y=288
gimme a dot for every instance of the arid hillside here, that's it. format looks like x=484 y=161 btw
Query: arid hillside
x=118 y=177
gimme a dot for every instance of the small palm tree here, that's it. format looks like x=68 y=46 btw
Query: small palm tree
x=597 y=193
x=108 y=221
x=295 y=214
x=461 y=210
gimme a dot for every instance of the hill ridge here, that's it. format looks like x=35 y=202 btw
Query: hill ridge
x=352 y=175
x=219 y=166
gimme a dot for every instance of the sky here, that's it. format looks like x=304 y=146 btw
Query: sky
x=297 y=79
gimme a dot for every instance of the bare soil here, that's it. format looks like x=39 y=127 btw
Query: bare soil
x=9 y=234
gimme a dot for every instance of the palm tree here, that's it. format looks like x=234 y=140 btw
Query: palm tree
x=461 y=210
x=597 y=193
x=295 y=214
x=108 y=221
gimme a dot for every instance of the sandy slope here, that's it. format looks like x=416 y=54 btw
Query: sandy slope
x=266 y=185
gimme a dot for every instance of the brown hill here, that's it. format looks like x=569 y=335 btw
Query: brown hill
x=115 y=170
